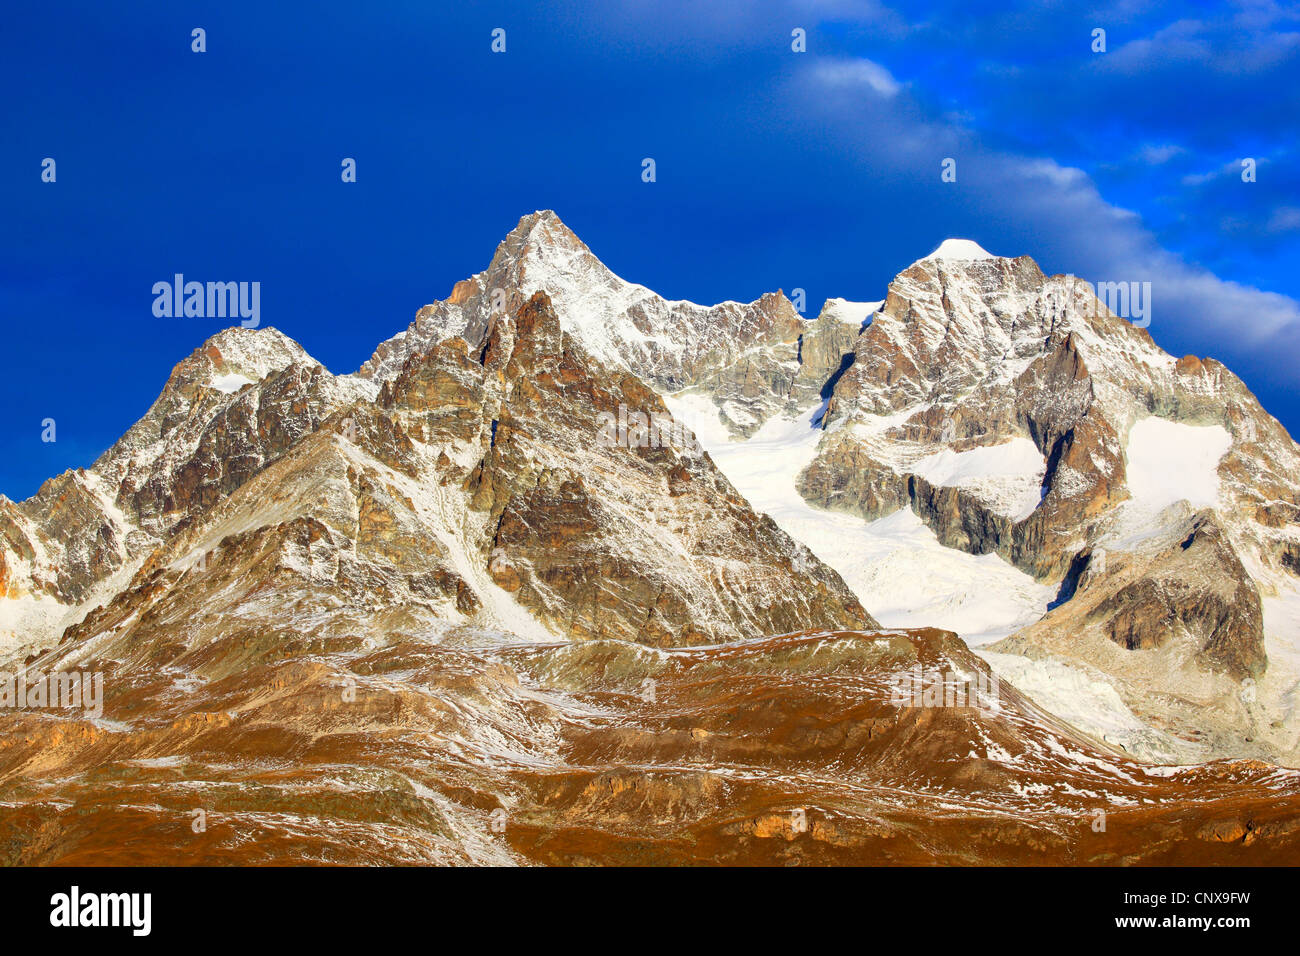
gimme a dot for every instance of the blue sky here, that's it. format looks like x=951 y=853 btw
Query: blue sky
x=775 y=169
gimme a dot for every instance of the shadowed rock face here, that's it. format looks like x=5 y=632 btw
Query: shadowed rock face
x=276 y=748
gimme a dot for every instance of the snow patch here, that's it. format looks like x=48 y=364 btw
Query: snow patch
x=896 y=566
x=960 y=250
x=231 y=382
x=851 y=313
x=1169 y=462
x=24 y=618
x=1007 y=477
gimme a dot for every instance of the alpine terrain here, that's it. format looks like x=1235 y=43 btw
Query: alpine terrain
x=568 y=572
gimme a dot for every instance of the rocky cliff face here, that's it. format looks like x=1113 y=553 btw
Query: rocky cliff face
x=784 y=374
x=477 y=486
x=969 y=355
x=640 y=540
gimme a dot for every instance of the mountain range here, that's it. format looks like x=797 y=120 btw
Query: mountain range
x=431 y=612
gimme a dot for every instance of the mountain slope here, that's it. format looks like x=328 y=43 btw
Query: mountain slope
x=796 y=749
x=669 y=344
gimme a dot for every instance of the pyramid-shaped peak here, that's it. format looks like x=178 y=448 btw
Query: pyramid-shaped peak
x=544 y=225
x=960 y=250
x=542 y=243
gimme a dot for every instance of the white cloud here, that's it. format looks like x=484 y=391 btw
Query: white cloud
x=1159 y=155
x=855 y=74
x=1106 y=243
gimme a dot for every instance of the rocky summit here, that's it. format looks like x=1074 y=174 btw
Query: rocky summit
x=568 y=573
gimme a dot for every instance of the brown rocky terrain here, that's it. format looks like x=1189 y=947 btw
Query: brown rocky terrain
x=778 y=751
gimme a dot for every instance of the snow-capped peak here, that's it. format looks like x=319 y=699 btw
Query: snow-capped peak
x=620 y=323
x=543 y=226
x=238 y=356
x=960 y=250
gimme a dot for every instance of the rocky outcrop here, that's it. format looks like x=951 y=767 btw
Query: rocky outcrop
x=1198 y=588
x=825 y=353
x=636 y=541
